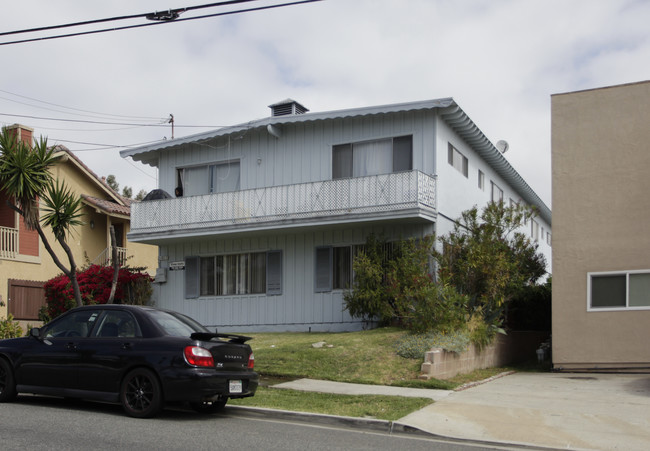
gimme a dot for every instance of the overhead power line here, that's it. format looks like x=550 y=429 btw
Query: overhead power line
x=162 y=123
x=86 y=121
x=95 y=113
x=161 y=20
x=164 y=15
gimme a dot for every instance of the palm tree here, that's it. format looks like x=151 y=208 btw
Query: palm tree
x=25 y=177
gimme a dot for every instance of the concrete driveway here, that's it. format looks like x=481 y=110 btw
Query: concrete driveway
x=558 y=410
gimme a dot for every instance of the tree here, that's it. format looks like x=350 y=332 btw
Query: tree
x=127 y=191
x=141 y=195
x=486 y=258
x=394 y=283
x=110 y=181
x=25 y=177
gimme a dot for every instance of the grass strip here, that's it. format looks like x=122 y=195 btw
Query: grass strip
x=380 y=407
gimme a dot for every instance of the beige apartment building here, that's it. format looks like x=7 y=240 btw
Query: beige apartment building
x=25 y=264
x=601 y=225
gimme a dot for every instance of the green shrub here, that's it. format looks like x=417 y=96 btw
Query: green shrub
x=10 y=328
x=413 y=346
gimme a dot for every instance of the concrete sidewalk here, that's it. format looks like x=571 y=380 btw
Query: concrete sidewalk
x=343 y=388
x=557 y=410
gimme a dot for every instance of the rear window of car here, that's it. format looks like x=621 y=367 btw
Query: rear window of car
x=176 y=325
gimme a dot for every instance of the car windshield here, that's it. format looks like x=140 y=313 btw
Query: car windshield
x=175 y=324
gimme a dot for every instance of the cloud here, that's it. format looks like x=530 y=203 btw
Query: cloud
x=500 y=59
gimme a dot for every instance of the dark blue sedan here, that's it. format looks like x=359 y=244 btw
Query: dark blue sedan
x=140 y=357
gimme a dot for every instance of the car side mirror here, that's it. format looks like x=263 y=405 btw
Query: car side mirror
x=35 y=332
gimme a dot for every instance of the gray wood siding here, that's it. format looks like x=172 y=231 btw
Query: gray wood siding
x=304 y=151
x=299 y=307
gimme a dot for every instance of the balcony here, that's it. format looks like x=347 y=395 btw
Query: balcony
x=388 y=196
x=8 y=243
x=105 y=258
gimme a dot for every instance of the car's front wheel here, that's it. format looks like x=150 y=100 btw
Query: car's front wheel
x=7 y=383
x=141 y=396
x=209 y=407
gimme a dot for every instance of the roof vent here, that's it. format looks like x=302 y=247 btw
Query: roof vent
x=286 y=108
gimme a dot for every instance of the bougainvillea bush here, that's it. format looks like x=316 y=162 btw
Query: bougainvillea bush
x=133 y=287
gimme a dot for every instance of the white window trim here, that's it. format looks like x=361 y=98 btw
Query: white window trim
x=627 y=308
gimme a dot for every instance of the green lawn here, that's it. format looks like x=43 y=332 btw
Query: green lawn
x=366 y=357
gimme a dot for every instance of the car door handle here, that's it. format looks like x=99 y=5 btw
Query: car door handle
x=72 y=346
x=126 y=346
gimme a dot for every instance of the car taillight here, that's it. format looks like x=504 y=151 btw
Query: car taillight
x=251 y=361
x=197 y=356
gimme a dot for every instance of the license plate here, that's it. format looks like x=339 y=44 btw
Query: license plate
x=235 y=387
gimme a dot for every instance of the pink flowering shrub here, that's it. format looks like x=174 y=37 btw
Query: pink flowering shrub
x=133 y=287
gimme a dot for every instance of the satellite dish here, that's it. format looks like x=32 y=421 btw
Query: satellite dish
x=503 y=146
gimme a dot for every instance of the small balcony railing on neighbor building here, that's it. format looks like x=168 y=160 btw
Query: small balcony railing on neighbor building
x=402 y=194
x=105 y=258
x=8 y=243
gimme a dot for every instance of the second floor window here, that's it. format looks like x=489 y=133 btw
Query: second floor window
x=457 y=160
x=497 y=193
x=207 y=179
x=381 y=156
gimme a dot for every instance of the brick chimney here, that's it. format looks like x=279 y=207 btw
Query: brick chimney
x=21 y=132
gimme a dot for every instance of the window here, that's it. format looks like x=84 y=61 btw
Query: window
x=619 y=290
x=117 y=323
x=77 y=324
x=334 y=265
x=497 y=193
x=207 y=179
x=233 y=274
x=381 y=156
x=534 y=230
x=457 y=159
x=481 y=180
x=548 y=238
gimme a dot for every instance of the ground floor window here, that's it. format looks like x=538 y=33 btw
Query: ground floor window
x=233 y=274
x=619 y=290
x=334 y=265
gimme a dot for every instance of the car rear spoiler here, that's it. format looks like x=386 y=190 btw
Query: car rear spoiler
x=232 y=338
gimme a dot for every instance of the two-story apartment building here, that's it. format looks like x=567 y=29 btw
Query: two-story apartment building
x=25 y=264
x=263 y=218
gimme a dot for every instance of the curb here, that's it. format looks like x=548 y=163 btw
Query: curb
x=372 y=424
x=369 y=424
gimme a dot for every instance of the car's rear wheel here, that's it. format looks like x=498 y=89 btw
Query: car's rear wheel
x=141 y=396
x=7 y=383
x=209 y=407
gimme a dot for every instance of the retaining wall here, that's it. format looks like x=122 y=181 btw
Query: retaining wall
x=506 y=349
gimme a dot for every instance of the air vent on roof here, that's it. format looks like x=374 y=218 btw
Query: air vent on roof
x=286 y=108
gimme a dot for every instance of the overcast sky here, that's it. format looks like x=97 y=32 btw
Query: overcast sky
x=499 y=59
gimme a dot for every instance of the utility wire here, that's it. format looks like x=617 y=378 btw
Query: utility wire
x=260 y=8
x=66 y=112
x=76 y=109
x=164 y=15
x=163 y=123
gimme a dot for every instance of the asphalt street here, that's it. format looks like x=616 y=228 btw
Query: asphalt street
x=39 y=423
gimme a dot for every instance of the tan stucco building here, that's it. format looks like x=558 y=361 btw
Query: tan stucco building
x=25 y=264
x=601 y=225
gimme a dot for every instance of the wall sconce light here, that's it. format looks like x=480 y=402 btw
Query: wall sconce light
x=259 y=161
x=92 y=224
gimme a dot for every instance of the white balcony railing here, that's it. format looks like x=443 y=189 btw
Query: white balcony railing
x=379 y=194
x=105 y=257
x=8 y=243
